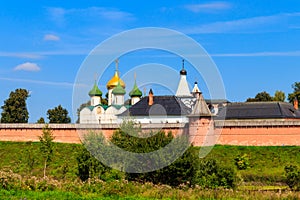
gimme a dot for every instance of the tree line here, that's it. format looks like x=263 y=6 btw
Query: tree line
x=278 y=96
x=15 y=110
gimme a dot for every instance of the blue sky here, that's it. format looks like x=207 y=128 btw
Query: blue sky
x=255 y=44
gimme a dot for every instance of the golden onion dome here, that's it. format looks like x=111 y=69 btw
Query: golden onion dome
x=113 y=82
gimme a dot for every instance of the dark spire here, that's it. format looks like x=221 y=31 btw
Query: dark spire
x=183 y=71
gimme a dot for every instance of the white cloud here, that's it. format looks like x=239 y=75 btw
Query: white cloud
x=271 y=23
x=59 y=14
x=208 y=7
x=51 y=37
x=107 y=13
x=28 y=67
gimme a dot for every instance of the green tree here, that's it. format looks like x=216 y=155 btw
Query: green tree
x=262 y=96
x=182 y=170
x=279 y=96
x=58 y=115
x=41 y=120
x=296 y=92
x=46 y=146
x=15 y=108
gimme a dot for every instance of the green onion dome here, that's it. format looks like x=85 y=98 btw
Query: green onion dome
x=95 y=91
x=135 y=92
x=119 y=90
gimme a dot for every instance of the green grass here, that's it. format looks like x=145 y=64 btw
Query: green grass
x=264 y=179
x=152 y=193
x=15 y=156
x=33 y=195
x=266 y=163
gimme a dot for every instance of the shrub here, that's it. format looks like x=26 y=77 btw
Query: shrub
x=242 y=162
x=10 y=180
x=292 y=177
x=213 y=175
x=89 y=166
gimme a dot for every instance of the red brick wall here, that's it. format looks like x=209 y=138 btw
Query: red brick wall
x=260 y=133
x=260 y=136
x=29 y=134
x=69 y=133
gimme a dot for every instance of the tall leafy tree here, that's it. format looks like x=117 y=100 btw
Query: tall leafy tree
x=58 y=115
x=296 y=92
x=41 y=121
x=15 y=108
x=279 y=96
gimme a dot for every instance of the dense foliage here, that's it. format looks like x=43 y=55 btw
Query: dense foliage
x=242 y=162
x=89 y=167
x=41 y=121
x=213 y=175
x=186 y=168
x=296 y=93
x=58 y=115
x=16 y=187
x=15 y=107
x=279 y=96
x=262 y=96
x=293 y=177
x=265 y=96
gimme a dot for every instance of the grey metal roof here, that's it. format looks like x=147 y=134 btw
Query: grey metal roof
x=163 y=105
x=259 y=110
x=217 y=101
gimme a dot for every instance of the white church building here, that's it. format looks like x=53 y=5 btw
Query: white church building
x=147 y=109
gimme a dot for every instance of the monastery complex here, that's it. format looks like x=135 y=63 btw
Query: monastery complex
x=206 y=122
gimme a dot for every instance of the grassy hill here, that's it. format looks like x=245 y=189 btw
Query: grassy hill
x=20 y=156
x=265 y=171
x=266 y=164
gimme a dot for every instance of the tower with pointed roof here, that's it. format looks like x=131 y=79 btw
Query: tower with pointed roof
x=196 y=89
x=183 y=87
x=135 y=94
x=113 y=82
x=201 y=124
x=95 y=94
